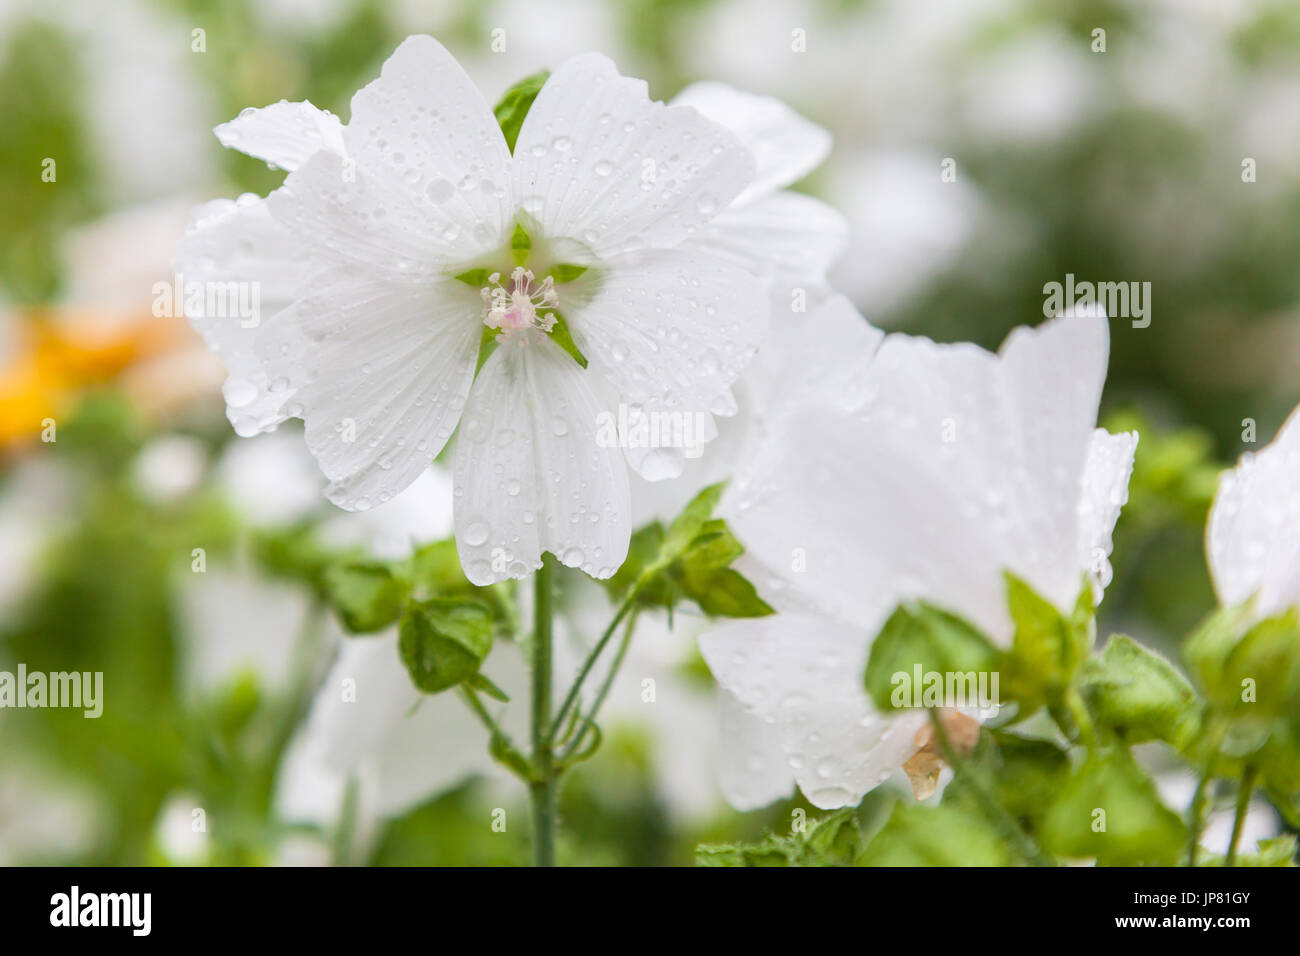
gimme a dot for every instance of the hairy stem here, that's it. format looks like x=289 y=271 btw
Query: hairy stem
x=1196 y=813
x=542 y=791
x=571 y=698
x=589 y=720
x=1244 y=794
x=1011 y=830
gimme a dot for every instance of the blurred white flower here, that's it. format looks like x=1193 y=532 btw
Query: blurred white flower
x=369 y=724
x=45 y=817
x=1032 y=89
x=180 y=834
x=236 y=623
x=377 y=351
x=1177 y=787
x=137 y=77
x=36 y=507
x=907 y=225
x=1253 y=534
x=270 y=479
x=169 y=467
x=995 y=463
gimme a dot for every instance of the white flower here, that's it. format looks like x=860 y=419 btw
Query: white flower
x=369 y=723
x=372 y=340
x=792 y=237
x=1253 y=535
x=919 y=471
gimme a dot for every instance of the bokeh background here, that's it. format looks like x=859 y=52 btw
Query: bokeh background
x=1122 y=165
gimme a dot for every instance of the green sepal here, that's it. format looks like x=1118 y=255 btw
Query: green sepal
x=562 y=337
x=367 y=595
x=921 y=635
x=1140 y=695
x=443 y=641
x=513 y=107
x=1109 y=809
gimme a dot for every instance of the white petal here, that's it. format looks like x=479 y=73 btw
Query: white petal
x=803 y=675
x=786 y=146
x=426 y=131
x=1253 y=536
x=380 y=368
x=787 y=236
x=826 y=351
x=597 y=161
x=1105 y=492
x=657 y=443
x=338 y=213
x=986 y=459
x=671 y=330
x=530 y=473
x=284 y=134
x=238 y=250
x=752 y=767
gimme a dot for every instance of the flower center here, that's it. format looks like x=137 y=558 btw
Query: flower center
x=519 y=305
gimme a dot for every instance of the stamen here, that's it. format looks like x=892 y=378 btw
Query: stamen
x=520 y=305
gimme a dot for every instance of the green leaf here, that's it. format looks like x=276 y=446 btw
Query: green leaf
x=1047 y=649
x=515 y=104
x=1249 y=670
x=834 y=840
x=443 y=641
x=922 y=635
x=567 y=272
x=714 y=547
x=1140 y=695
x=1206 y=651
x=367 y=595
x=689 y=560
x=294 y=554
x=1028 y=773
x=723 y=592
x=950 y=834
x=1267 y=661
x=1279 y=759
x=643 y=551
x=1279 y=851
x=436 y=572
x=1109 y=809
x=687 y=525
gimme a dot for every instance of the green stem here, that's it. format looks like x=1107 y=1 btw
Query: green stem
x=509 y=754
x=542 y=791
x=590 y=719
x=1248 y=778
x=1082 y=719
x=1011 y=830
x=1196 y=813
x=570 y=699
